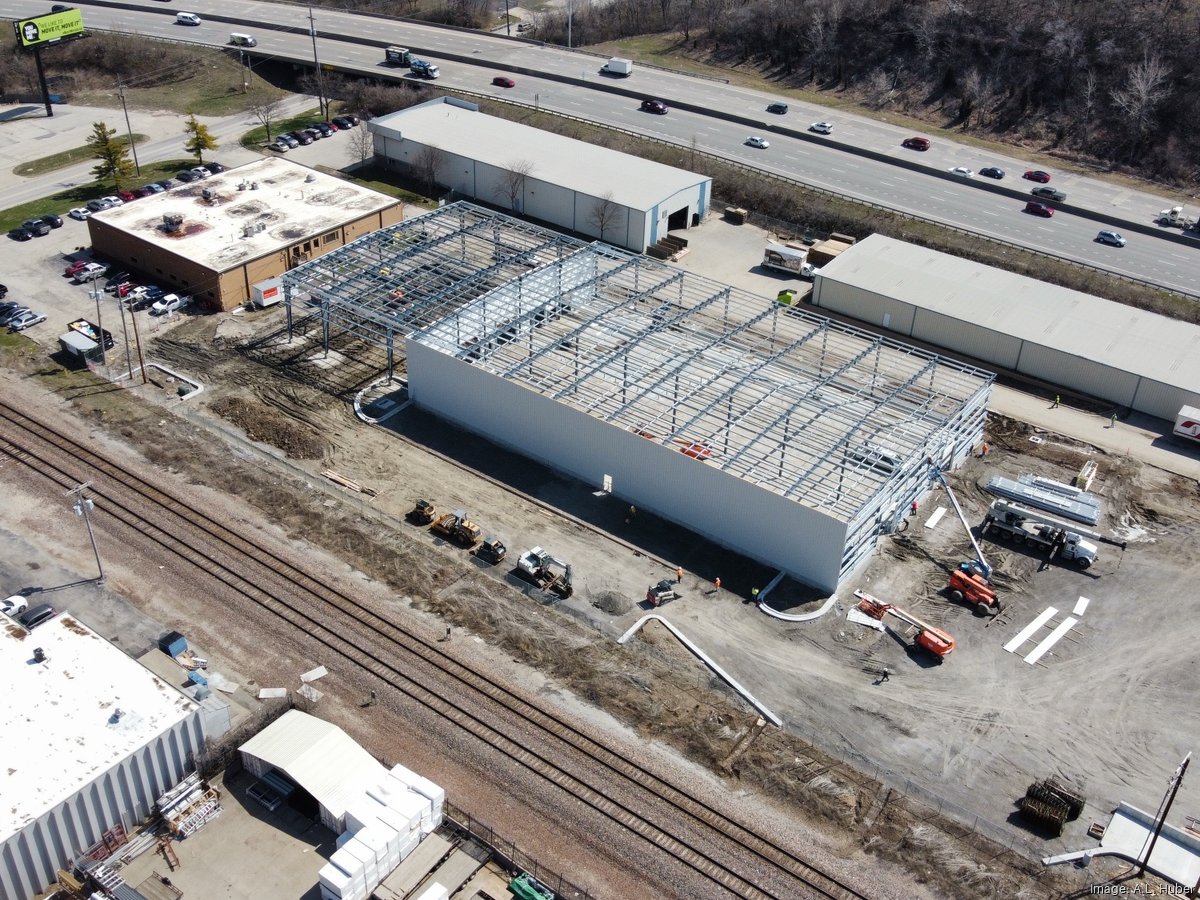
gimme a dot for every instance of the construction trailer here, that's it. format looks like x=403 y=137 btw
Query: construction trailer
x=794 y=439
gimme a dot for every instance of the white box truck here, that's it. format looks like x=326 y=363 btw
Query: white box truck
x=622 y=68
x=1187 y=424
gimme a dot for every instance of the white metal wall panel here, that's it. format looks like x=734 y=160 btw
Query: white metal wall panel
x=727 y=509
x=1078 y=373
x=967 y=338
x=1163 y=400
x=31 y=858
x=874 y=309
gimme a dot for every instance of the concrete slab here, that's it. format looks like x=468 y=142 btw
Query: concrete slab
x=1025 y=633
x=1050 y=640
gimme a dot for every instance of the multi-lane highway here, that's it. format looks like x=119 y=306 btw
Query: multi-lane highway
x=571 y=84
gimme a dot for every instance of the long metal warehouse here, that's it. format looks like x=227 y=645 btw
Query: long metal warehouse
x=1130 y=357
x=794 y=439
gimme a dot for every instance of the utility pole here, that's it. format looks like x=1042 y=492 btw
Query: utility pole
x=570 y=12
x=83 y=505
x=137 y=340
x=96 y=294
x=312 y=30
x=507 y=20
x=125 y=334
x=128 y=127
x=1161 y=819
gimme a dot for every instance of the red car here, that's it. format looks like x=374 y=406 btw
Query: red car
x=76 y=266
x=916 y=143
x=1037 y=175
x=1039 y=209
x=654 y=106
x=127 y=196
x=501 y=81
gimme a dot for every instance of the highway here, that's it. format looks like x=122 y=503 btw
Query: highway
x=959 y=203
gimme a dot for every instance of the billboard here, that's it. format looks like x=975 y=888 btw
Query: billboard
x=50 y=28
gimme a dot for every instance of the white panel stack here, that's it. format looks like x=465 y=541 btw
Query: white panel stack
x=362 y=812
x=383 y=840
x=435 y=892
x=367 y=864
x=426 y=788
x=338 y=883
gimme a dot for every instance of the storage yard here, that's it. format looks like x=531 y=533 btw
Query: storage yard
x=1095 y=704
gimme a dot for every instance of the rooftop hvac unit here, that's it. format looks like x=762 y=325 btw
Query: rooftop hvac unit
x=310 y=178
x=241 y=185
x=254 y=185
x=172 y=222
x=207 y=194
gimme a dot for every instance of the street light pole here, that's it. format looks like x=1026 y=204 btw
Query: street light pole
x=1161 y=819
x=312 y=30
x=99 y=324
x=83 y=505
x=128 y=127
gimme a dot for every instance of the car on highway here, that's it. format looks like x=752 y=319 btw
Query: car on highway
x=53 y=220
x=13 y=606
x=915 y=143
x=20 y=234
x=821 y=127
x=1039 y=209
x=169 y=303
x=35 y=616
x=755 y=141
x=992 y=172
x=186 y=18
x=962 y=172
x=1049 y=193
x=36 y=227
x=1112 y=238
x=80 y=213
x=501 y=81
x=99 y=205
x=654 y=106
x=779 y=109
x=1037 y=175
x=24 y=320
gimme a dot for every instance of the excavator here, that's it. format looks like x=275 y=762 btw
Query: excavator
x=546 y=572
x=932 y=640
x=970 y=581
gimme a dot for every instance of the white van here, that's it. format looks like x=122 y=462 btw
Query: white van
x=242 y=40
x=187 y=19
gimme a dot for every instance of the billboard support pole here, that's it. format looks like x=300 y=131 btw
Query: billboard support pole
x=41 y=73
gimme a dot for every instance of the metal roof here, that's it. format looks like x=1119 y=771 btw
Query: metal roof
x=1075 y=323
x=318 y=756
x=458 y=127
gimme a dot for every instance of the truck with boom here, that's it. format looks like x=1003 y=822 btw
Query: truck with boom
x=932 y=640
x=971 y=580
x=546 y=572
x=1037 y=529
x=423 y=69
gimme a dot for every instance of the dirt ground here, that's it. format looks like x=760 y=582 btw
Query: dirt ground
x=1108 y=709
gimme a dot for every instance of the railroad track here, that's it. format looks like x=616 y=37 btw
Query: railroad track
x=727 y=853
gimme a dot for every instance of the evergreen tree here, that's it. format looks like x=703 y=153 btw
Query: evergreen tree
x=113 y=155
x=200 y=138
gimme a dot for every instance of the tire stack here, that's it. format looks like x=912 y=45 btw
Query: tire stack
x=1051 y=805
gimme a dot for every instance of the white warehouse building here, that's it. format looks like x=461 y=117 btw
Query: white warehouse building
x=91 y=739
x=1135 y=359
x=621 y=199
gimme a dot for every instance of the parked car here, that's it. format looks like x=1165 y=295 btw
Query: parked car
x=200 y=172
x=166 y=184
x=35 y=616
x=24 y=320
x=114 y=279
x=821 y=127
x=300 y=137
x=346 y=122
x=1049 y=193
x=53 y=220
x=90 y=271
x=13 y=606
x=1111 y=237
x=289 y=140
x=916 y=143
x=80 y=213
x=114 y=200
x=279 y=146
x=313 y=133
x=501 y=81
x=324 y=127
x=21 y=234
x=36 y=227
x=11 y=312
x=126 y=196
x=654 y=106
x=187 y=177
x=76 y=266
x=216 y=168
x=756 y=141
x=779 y=109
x=3 y=291
x=1039 y=209
x=139 y=193
x=99 y=205
x=144 y=297
x=1037 y=175
x=962 y=172
x=169 y=303
x=992 y=172
x=155 y=187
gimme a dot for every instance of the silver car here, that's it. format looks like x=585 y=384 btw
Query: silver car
x=1112 y=238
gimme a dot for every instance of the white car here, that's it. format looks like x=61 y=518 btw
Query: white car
x=279 y=146
x=200 y=172
x=169 y=303
x=13 y=606
x=821 y=127
x=962 y=172
x=113 y=201
x=756 y=141
x=80 y=213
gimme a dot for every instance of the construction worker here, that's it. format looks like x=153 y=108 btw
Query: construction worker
x=884 y=675
x=678 y=574
x=1112 y=421
x=914 y=507
x=983 y=450
x=717 y=582
x=631 y=515
x=754 y=594
x=1057 y=400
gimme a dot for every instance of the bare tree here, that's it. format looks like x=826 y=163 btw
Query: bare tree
x=1147 y=88
x=879 y=89
x=512 y=183
x=604 y=213
x=266 y=111
x=426 y=164
x=362 y=144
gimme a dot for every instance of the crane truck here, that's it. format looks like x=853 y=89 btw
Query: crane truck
x=971 y=580
x=1036 y=529
x=456 y=527
x=546 y=572
x=932 y=640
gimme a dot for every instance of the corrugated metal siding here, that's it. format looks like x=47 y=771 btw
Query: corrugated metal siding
x=967 y=338
x=30 y=859
x=1077 y=373
x=1163 y=400
x=730 y=511
x=874 y=309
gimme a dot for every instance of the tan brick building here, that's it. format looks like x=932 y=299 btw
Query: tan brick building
x=217 y=237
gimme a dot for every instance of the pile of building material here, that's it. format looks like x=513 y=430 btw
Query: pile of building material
x=1052 y=496
x=383 y=827
x=1051 y=805
x=189 y=806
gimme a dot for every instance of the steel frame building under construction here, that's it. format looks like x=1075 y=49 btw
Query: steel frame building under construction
x=790 y=437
